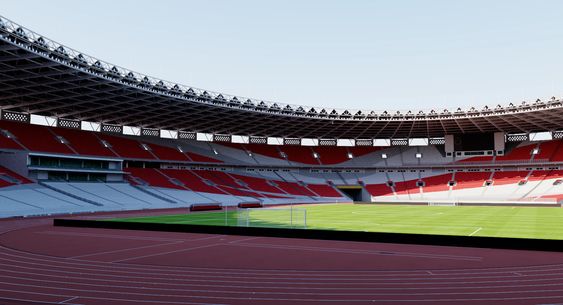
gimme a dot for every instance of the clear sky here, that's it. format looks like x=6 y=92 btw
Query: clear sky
x=347 y=54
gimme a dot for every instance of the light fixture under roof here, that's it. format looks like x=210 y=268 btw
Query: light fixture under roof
x=105 y=143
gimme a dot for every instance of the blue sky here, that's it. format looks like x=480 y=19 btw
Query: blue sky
x=346 y=54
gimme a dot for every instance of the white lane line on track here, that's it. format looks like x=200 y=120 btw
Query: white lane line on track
x=145 y=247
x=215 y=281
x=493 y=295
x=142 y=285
x=237 y=284
x=244 y=239
x=272 y=279
x=30 y=301
x=164 y=253
x=474 y=232
x=131 y=266
x=27 y=293
x=373 y=252
x=244 y=290
x=125 y=250
x=68 y=300
x=107 y=236
x=125 y=236
x=96 y=265
x=386 y=301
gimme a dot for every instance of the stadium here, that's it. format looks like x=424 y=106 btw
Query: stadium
x=121 y=188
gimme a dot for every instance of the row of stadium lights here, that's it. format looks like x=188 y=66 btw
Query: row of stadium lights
x=207 y=137
x=19 y=35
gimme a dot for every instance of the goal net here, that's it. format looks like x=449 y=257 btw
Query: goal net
x=443 y=204
x=273 y=218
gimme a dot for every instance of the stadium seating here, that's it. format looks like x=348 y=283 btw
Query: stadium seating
x=191 y=181
x=35 y=138
x=228 y=182
x=258 y=184
x=323 y=190
x=127 y=148
x=168 y=153
x=56 y=140
x=9 y=178
x=152 y=177
x=305 y=154
x=379 y=189
x=84 y=143
x=437 y=183
x=470 y=179
x=508 y=177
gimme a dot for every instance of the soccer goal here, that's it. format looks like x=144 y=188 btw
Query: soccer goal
x=443 y=204
x=273 y=218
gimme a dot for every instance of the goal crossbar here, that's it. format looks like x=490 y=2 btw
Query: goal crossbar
x=272 y=217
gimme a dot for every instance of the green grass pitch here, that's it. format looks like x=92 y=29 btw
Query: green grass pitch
x=505 y=221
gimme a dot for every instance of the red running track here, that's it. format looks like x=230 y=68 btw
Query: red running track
x=42 y=264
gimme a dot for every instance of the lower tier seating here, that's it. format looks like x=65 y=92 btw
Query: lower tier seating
x=526 y=186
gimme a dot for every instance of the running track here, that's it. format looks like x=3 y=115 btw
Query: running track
x=42 y=264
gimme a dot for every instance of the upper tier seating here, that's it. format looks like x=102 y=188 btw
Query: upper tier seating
x=548 y=151
x=200 y=158
x=36 y=138
x=127 y=148
x=56 y=140
x=6 y=142
x=519 y=153
x=305 y=154
x=168 y=153
x=84 y=143
x=558 y=154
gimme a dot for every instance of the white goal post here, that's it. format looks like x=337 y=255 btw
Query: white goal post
x=443 y=203
x=272 y=217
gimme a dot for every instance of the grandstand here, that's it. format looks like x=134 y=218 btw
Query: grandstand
x=65 y=152
x=80 y=136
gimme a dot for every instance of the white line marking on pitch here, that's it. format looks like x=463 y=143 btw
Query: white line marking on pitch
x=479 y=229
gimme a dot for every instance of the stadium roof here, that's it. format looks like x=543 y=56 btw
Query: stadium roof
x=40 y=76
